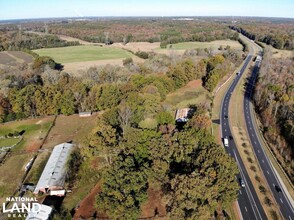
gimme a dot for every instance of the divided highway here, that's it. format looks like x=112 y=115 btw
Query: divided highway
x=248 y=201
x=281 y=198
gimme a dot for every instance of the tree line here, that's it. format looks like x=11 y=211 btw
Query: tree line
x=41 y=89
x=273 y=97
x=17 y=40
x=276 y=37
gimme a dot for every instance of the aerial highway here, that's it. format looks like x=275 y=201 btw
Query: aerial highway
x=270 y=175
x=248 y=201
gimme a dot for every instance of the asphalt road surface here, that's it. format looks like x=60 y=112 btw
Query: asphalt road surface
x=248 y=201
x=281 y=198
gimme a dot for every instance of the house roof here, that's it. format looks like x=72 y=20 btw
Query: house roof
x=54 y=172
x=182 y=114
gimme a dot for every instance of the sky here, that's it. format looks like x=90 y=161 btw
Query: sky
x=19 y=9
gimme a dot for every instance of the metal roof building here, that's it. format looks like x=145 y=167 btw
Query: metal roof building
x=54 y=173
x=182 y=115
x=43 y=214
x=85 y=114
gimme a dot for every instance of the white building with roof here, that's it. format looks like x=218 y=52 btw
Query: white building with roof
x=40 y=212
x=54 y=173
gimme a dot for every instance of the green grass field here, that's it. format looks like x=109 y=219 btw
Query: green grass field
x=213 y=44
x=83 y=53
x=8 y=142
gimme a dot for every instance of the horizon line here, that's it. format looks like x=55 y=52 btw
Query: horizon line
x=145 y=16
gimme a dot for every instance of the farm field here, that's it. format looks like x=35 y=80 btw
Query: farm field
x=139 y=46
x=69 y=128
x=11 y=58
x=212 y=44
x=66 y=128
x=83 y=53
x=11 y=173
x=192 y=93
x=35 y=131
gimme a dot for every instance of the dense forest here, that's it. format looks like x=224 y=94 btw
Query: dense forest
x=273 y=98
x=151 y=31
x=138 y=30
x=276 y=35
x=18 y=40
x=164 y=158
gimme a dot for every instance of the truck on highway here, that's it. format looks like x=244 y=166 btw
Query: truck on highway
x=226 y=141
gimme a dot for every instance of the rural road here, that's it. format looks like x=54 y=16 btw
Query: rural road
x=248 y=201
x=273 y=182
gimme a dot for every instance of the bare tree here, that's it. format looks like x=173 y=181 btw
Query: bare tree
x=125 y=114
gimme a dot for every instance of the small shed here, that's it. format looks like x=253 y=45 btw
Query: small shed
x=182 y=115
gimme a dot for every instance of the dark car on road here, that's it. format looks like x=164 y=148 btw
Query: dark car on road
x=278 y=189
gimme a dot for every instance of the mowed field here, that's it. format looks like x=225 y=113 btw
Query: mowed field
x=12 y=58
x=83 y=53
x=213 y=44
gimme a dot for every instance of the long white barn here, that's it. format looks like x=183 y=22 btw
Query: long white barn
x=54 y=173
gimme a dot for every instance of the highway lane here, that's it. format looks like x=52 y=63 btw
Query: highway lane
x=285 y=206
x=248 y=201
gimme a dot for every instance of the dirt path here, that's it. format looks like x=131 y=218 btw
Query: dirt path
x=86 y=209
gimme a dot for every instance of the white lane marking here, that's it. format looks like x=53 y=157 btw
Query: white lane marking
x=246 y=209
x=267 y=172
x=262 y=161
x=258 y=151
x=250 y=128
x=290 y=217
x=281 y=200
x=255 y=142
x=225 y=129
x=240 y=192
x=247 y=189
